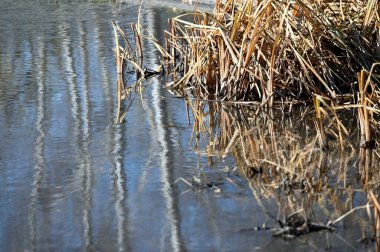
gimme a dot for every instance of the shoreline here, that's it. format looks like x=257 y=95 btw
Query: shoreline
x=203 y=5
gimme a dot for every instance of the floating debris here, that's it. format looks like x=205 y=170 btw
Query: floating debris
x=296 y=225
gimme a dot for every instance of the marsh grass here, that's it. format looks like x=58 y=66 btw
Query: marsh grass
x=276 y=52
x=271 y=53
x=304 y=80
x=275 y=49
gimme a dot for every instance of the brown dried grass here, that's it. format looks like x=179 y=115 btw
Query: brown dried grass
x=273 y=50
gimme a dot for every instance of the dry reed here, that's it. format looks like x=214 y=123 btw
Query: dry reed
x=270 y=50
x=274 y=54
x=275 y=51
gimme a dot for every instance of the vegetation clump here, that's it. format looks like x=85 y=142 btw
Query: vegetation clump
x=324 y=54
x=270 y=51
x=274 y=52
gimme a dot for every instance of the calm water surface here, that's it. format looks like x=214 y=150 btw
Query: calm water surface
x=70 y=180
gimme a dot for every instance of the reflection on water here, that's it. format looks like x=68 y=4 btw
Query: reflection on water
x=281 y=159
x=71 y=180
x=39 y=145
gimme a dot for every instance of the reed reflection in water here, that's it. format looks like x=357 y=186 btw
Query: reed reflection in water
x=279 y=155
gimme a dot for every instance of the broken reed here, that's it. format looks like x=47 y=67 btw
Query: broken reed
x=129 y=59
x=274 y=51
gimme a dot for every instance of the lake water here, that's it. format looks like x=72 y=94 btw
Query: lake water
x=70 y=180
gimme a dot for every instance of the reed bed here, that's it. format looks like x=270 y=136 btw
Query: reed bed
x=272 y=50
x=276 y=52
x=271 y=53
x=311 y=70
